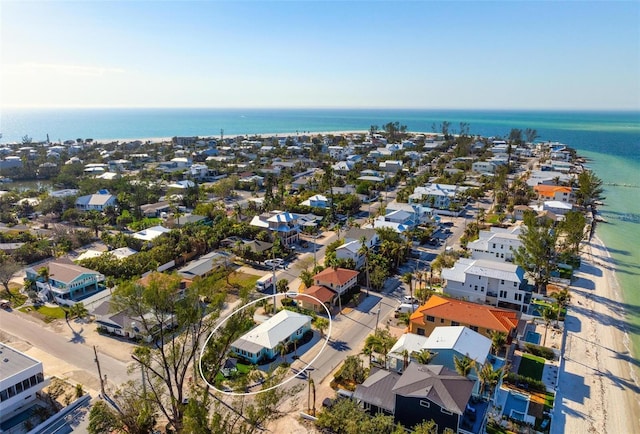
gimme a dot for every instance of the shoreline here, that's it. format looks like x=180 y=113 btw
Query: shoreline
x=598 y=389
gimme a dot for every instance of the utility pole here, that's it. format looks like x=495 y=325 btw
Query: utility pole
x=377 y=319
x=95 y=351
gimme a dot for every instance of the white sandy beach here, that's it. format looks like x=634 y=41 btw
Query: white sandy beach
x=598 y=389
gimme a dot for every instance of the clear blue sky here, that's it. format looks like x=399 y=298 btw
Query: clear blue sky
x=507 y=54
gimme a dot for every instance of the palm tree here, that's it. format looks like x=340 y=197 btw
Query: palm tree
x=408 y=279
x=307 y=278
x=424 y=356
x=548 y=313
x=321 y=324
x=281 y=348
x=562 y=297
x=489 y=378
x=44 y=274
x=365 y=251
x=464 y=365
x=498 y=340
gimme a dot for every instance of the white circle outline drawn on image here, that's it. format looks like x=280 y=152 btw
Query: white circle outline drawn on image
x=282 y=383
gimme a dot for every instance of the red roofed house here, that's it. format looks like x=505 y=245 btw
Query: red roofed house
x=326 y=296
x=440 y=311
x=560 y=193
x=337 y=279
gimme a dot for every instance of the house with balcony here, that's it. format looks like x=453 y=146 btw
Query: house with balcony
x=500 y=284
x=423 y=392
x=317 y=201
x=21 y=380
x=96 y=202
x=439 y=196
x=353 y=242
x=558 y=193
x=339 y=280
x=283 y=225
x=316 y=298
x=497 y=244
x=263 y=341
x=441 y=311
x=67 y=283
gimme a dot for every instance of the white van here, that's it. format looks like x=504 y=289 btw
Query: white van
x=406 y=308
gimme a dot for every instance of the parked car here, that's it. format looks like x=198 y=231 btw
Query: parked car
x=407 y=299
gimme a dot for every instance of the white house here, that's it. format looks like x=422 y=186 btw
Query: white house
x=317 y=201
x=21 y=378
x=262 y=341
x=484 y=167
x=497 y=244
x=410 y=342
x=151 y=233
x=439 y=196
x=97 y=202
x=500 y=284
x=282 y=224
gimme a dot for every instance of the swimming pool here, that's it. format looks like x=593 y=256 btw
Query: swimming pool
x=516 y=405
x=532 y=337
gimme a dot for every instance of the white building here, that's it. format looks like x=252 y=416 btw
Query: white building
x=440 y=196
x=151 y=233
x=21 y=377
x=500 y=284
x=496 y=244
x=97 y=202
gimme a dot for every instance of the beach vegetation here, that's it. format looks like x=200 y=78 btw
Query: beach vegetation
x=538 y=253
x=537 y=350
x=346 y=416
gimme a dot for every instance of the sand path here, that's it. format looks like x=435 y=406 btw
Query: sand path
x=598 y=390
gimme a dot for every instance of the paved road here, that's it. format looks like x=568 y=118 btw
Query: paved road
x=59 y=346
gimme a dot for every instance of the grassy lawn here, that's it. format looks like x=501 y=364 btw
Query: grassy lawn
x=531 y=366
x=14 y=297
x=46 y=313
x=236 y=280
x=493 y=218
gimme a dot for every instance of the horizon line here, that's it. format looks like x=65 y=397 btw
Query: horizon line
x=119 y=107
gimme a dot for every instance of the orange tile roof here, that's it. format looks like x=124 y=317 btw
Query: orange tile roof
x=337 y=276
x=465 y=312
x=322 y=293
x=550 y=190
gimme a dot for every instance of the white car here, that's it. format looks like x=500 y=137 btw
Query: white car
x=407 y=299
x=277 y=262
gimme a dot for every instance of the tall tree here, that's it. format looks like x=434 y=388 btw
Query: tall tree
x=589 y=193
x=572 y=227
x=408 y=279
x=159 y=308
x=498 y=341
x=365 y=251
x=464 y=365
x=537 y=253
x=8 y=267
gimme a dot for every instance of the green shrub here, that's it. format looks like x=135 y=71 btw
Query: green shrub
x=539 y=351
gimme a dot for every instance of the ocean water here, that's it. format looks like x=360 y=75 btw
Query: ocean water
x=611 y=140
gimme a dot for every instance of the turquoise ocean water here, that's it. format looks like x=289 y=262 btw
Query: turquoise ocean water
x=611 y=140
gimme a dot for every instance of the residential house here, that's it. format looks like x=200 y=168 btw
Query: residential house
x=317 y=201
x=447 y=343
x=353 y=243
x=484 y=167
x=67 y=283
x=404 y=351
x=21 y=380
x=391 y=166
x=283 y=225
x=204 y=265
x=441 y=311
x=121 y=253
x=151 y=233
x=96 y=202
x=496 y=244
x=500 y=284
x=422 y=392
x=418 y=214
x=155 y=209
x=340 y=280
x=262 y=342
x=558 y=193
x=557 y=207
x=439 y=196
x=322 y=297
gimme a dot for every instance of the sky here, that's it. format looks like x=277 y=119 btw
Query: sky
x=358 y=54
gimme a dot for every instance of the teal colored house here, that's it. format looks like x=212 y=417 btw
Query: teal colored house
x=67 y=283
x=262 y=342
